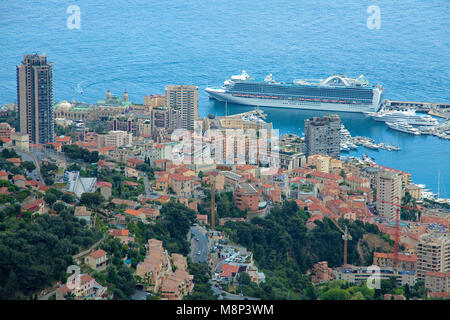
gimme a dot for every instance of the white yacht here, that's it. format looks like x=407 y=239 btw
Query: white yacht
x=403 y=115
x=403 y=126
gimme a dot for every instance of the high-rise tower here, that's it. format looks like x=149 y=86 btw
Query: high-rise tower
x=185 y=99
x=35 y=98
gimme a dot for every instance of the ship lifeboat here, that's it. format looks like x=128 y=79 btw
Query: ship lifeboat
x=324 y=100
x=316 y=99
x=333 y=100
x=341 y=101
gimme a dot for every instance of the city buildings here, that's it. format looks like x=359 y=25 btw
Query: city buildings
x=322 y=136
x=6 y=130
x=87 y=288
x=433 y=253
x=35 y=98
x=360 y=275
x=97 y=260
x=185 y=99
x=166 y=118
x=388 y=195
x=405 y=261
x=246 y=197
x=80 y=185
x=115 y=138
x=437 y=281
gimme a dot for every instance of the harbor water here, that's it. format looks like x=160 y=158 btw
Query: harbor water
x=142 y=46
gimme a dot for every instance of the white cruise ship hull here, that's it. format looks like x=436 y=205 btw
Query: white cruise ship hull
x=221 y=95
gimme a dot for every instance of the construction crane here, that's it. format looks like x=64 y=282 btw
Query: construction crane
x=345 y=236
x=213 y=205
x=397 y=226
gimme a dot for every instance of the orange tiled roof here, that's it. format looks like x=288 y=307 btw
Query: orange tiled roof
x=228 y=269
x=133 y=212
x=102 y=184
x=98 y=253
x=119 y=232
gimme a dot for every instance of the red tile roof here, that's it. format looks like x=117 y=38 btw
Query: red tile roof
x=102 y=184
x=228 y=270
x=14 y=160
x=401 y=257
x=130 y=183
x=119 y=232
x=133 y=212
x=33 y=206
x=97 y=253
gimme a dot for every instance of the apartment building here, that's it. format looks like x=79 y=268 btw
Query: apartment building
x=389 y=193
x=35 y=98
x=246 y=197
x=185 y=99
x=405 y=261
x=433 y=253
x=115 y=138
x=322 y=136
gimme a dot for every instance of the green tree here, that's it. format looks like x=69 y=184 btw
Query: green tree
x=28 y=165
x=50 y=199
x=335 y=294
x=91 y=199
x=67 y=198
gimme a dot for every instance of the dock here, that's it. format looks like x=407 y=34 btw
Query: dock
x=441 y=110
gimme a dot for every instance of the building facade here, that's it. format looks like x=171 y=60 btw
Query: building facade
x=322 y=136
x=388 y=195
x=433 y=253
x=185 y=99
x=35 y=98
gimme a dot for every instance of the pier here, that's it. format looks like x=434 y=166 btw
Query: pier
x=441 y=110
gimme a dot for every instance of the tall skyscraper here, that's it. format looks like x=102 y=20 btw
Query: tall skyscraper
x=322 y=136
x=185 y=99
x=389 y=192
x=35 y=98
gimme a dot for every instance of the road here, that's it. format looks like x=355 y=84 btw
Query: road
x=36 y=174
x=228 y=295
x=201 y=245
x=148 y=191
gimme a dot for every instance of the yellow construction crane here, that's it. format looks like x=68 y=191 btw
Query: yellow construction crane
x=345 y=236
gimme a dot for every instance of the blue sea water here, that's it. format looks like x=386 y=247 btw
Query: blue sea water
x=142 y=46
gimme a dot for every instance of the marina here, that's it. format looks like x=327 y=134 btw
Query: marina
x=351 y=143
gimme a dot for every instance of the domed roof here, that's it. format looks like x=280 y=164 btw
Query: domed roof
x=65 y=105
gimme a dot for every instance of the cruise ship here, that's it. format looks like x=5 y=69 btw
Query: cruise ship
x=403 y=126
x=336 y=93
x=405 y=115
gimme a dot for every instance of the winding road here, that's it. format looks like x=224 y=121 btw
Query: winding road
x=201 y=245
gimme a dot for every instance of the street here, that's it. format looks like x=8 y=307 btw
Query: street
x=228 y=296
x=148 y=191
x=28 y=156
x=201 y=245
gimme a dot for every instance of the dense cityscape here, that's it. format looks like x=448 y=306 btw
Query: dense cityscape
x=149 y=201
